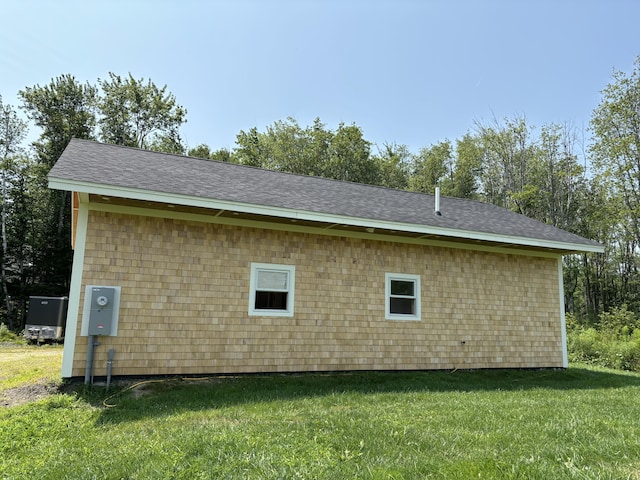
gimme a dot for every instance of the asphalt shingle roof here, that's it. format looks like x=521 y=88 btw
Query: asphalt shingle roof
x=90 y=162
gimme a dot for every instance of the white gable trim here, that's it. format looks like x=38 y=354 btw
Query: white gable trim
x=192 y=201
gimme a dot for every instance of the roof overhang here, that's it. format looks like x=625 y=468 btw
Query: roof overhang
x=324 y=220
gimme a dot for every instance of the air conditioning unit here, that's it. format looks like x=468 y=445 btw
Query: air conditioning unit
x=46 y=319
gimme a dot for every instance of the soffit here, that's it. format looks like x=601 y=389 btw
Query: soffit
x=316 y=226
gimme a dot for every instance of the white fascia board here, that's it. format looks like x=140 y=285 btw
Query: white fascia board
x=191 y=201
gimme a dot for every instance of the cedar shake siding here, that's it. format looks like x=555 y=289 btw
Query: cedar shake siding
x=184 y=306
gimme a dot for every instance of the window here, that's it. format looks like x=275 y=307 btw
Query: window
x=402 y=296
x=272 y=288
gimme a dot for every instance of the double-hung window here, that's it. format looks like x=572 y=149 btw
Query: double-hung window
x=272 y=289
x=402 y=296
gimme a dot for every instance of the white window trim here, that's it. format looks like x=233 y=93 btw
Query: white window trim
x=291 y=272
x=387 y=296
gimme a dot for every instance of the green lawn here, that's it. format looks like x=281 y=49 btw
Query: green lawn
x=581 y=423
x=21 y=365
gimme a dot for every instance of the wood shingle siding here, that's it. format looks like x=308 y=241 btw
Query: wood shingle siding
x=186 y=286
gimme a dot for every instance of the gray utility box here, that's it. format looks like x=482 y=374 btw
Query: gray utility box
x=102 y=312
x=46 y=318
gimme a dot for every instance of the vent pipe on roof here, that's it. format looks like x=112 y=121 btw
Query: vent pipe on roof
x=437 y=202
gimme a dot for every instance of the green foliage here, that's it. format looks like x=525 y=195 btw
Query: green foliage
x=619 y=321
x=342 y=154
x=349 y=157
x=139 y=114
x=616 y=151
x=507 y=154
x=63 y=109
x=431 y=167
x=597 y=348
x=393 y=163
x=222 y=155
x=579 y=423
x=201 y=151
x=12 y=132
x=32 y=215
x=467 y=168
x=585 y=345
x=615 y=216
x=7 y=335
x=541 y=175
x=614 y=342
x=37 y=254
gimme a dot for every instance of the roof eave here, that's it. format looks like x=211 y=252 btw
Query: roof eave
x=215 y=204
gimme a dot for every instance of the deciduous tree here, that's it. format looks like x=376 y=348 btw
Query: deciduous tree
x=431 y=167
x=139 y=114
x=12 y=131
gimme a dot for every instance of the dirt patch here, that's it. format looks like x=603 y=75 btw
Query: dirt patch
x=27 y=393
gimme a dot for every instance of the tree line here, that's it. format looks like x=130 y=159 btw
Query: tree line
x=547 y=173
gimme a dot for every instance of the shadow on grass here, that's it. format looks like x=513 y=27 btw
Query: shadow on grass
x=130 y=400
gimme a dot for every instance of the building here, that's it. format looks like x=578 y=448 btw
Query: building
x=222 y=268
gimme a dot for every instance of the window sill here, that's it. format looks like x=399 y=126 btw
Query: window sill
x=270 y=313
x=403 y=318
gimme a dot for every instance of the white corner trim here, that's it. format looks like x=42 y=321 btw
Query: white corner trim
x=74 y=291
x=563 y=320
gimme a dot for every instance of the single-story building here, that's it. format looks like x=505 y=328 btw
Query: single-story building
x=224 y=268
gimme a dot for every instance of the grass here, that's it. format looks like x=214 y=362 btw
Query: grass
x=580 y=423
x=24 y=365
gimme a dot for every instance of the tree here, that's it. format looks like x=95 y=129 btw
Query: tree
x=201 y=151
x=350 y=157
x=12 y=132
x=63 y=109
x=467 y=168
x=222 y=155
x=251 y=150
x=393 y=163
x=431 y=167
x=615 y=155
x=615 y=151
x=285 y=146
x=29 y=242
x=139 y=115
x=560 y=180
x=167 y=144
x=508 y=152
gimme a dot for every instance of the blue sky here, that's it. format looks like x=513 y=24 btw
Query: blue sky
x=406 y=71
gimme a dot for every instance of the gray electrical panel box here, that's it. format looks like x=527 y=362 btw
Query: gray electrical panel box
x=102 y=310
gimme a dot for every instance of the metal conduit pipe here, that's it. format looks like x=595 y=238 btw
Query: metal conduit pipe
x=110 y=366
x=88 y=374
x=89 y=363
